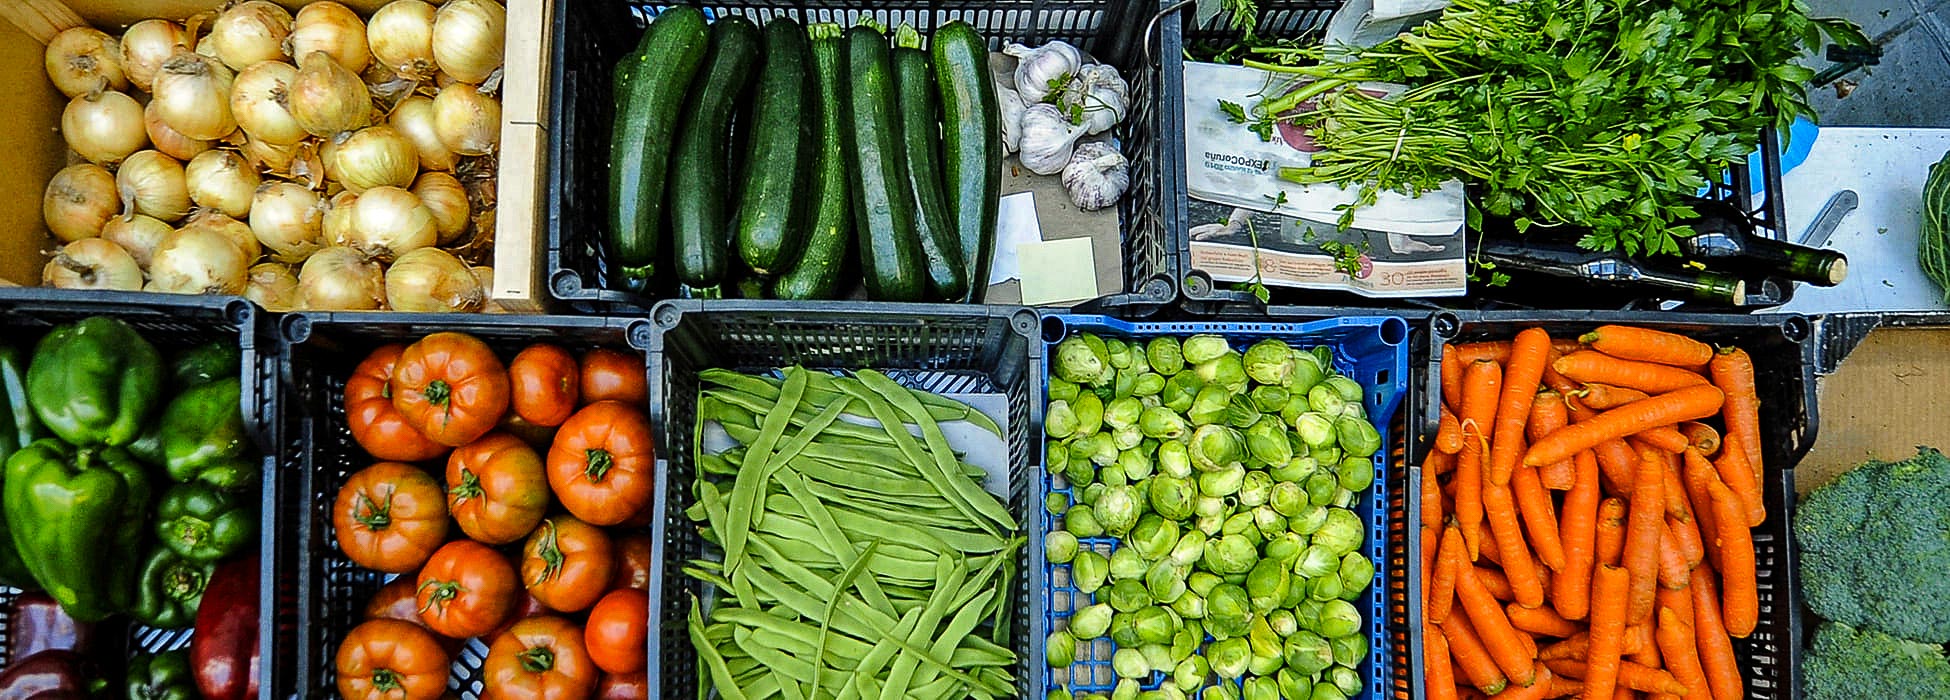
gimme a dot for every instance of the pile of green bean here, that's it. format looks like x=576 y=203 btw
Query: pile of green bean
x=858 y=561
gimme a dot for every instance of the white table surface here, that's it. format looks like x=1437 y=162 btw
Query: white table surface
x=1886 y=168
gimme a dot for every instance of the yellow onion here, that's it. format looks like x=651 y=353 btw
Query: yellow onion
x=401 y=37
x=370 y=157
x=79 y=200
x=192 y=95
x=469 y=37
x=260 y=100
x=338 y=217
x=468 y=122
x=153 y=184
x=92 y=263
x=447 y=199
x=288 y=219
x=170 y=141
x=327 y=99
x=341 y=279
x=333 y=29
x=388 y=221
x=198 y=261
x=140 y=235
x=432 y=280
x=146 y=45
x=269 y=157
x=222 y=180
x=104 y=127
x=414 y=118
x=237 y=232
x=273 y=286
x=250 y=33
x=81 y=60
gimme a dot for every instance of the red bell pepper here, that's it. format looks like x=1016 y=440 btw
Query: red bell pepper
x=223 y=653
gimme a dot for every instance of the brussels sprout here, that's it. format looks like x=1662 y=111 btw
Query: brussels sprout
x=1175 y=459
x=1202 y=582
x=1088 y=496
x=1287 y=498
x=1229 y=657
x=1326 y=690
x=1154 y=625
x=1157 y=655
x=1307 y=612
x=1180 y=391
x=1215 y=447
x=1119 y=353
x=1357 y=437
x=1270 y=399
x=1307 y=653
x=1126 y=437
x=1228 y=370
x=1316 y=562
x=1190 y=673
x=1283 y=622
x=1061 y=389
x=1228 y=611
x=1261 y=688
x=1164 y=355
x=1148 y=384
x=1349 y=649
x=1212 y=405
x=1295 y=470
x=1163 y=423
x=1126 y=563
x=1222 y=691
x=1056 y=503
x=1223 y=482
x=1122 y=412
x=1345 y=679
x=1321 y=486
x=1343 y=532
x=1324 y=588
x=1240 y=411
x=1060 y=546
x=1309 y=521
x=1060 y=650
x=1323 y=399
x=1129 y=594
x=1123 y=630
x=1077 y=361
x=1058 y=694
x=1164 y=692
x=1355 y=473
x=1231 y=554
x=1129 y=663
x=1089 y=412
x=1296 y=594
x=1307 y=373
x=1166 y=581
x=1269 y=522
x=1204 y=348
x=1266 y=441
x=1057 y=456
x=1256 y=489
x=1135 y=463
x=1090 y=622
x=1269 y=361
x=1059 y=421
x=1357 y=573
x=1204 y=506
x=1154 y=536
x=1112 y=475
x=1284 y=548
x=1081 y=521
x=1344 y=387
x=1126 y=689
x=1118 y=509
x=1239 y=523
x=1171 y=497
x=1189 y=605
x=1352 y=410
x=1088 y=571
x=1338 y=618
x=1293 y=685
x=1315 y=429
x=1327 y=456
x=1265 y=665
x=1266 y=585
x=1099 y=449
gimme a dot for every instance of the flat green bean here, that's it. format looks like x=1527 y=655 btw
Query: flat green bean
x=942 y=481
x=707 y=652
x=902 y=399
x=750 y=484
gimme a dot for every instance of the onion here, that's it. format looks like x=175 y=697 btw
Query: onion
x=432 y=280
x=447 y=199
x=288 y=219
x=273 y=286
x=333 y=29
x=388 y=221
x=170 y=141
x=223 y=181
x=469 y=37
x=401 y=37
x=146 y=45
x=104 y=127
x=81 y=60
x=414 y=118
x=237 y=232
x=153 y=184
x=338 y=217
x=250 y=33
x=192 y=92
x=140 y=235
x=341 y=279
x=79 y=200
x=327 y=99
x=468 y=122
x=93 y=263
x=371 y=157
x=198 y=261
x=270 y=157
x=260 y=99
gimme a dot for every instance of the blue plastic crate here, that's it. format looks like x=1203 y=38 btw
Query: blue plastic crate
x=1372 y=350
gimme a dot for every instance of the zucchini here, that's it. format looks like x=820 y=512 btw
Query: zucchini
x=883 y=210
x=772 y=203
x=700 y=184
x=816 y=275
x=651 y=83
x=920 y=121
x=971 y=144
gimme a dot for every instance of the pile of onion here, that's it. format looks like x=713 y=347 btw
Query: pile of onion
x=319 y=160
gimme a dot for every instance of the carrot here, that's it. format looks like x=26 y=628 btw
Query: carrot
x=1448 y=433
x=1740 y=606
x=1478 y=414
x=1616 y=461
x=1715 y=648
x=1489 y=552
x=1678 y=506
x=1495 y=582
x=1647 y=655
x=1541 y=621
x=1698 y=477
x=1611 y=531
x=1539 y=517
x=1675 y=636
x=1631 y=675
x=1679 y=600
x=1578 y=646
x=1683 y=404
x=1604 y=397
x=1578 y=529
x=1562 y=687
x=1471 y=657
x=1641 y=555
x=1438 y=669
x=1609 y=584
x=1664 y=437
x=1501 y=511
x=1701 y=436
x=1503 y=641
x=1452 y=377
x=1674 y=570
x=1497 y=351
x=1738 y=474
x=1733 y=372
x=1537 y=690
x=1548 y=413
x=1589 y=367
x=1528 y=355
x=1431 y=537
x=1647 y=345
x=1450 y=559
x=1432 y=515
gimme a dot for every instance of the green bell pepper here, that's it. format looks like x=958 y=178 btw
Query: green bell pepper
x=203 y=437
x=201 y=523
x=76 y=515
x=169 y=589
x=95 y=382
x=206 y=363
x=22 y=430
x=164 y=676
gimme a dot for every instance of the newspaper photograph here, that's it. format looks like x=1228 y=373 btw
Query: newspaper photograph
x=1235 y=244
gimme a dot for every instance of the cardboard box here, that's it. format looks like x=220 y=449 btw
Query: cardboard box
x=1886 y=398
x=35 y=150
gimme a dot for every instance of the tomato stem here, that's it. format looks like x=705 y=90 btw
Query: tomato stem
x=438 y=393
x=443 y=591
x=537 y=660
x=385 y=680
x=599 y=461
x=469 y=486
x=550 y=551
x=373 y=515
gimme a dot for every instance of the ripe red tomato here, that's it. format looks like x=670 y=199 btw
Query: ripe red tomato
x=618 y=630
x=466 y=590
x=602 y=465
x=390 y=517
x=567 y=564
x=632 y=562
x=608 y=375
x=547 y=384
x=376 y=425
x=539 y=658
x=450 y=387
x=391 y=660
x=496 y=488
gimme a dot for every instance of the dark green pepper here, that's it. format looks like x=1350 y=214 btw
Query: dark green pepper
x=201 y=523
x=76 y=516
x=169 y=589
x=22 y=430
x=164 y=676
x=206 y=363
x=95 y=382
x=203 y=437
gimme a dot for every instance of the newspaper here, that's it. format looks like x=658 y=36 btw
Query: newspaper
x=1234 y=244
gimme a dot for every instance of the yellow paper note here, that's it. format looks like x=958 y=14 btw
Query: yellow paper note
x=1057 y=272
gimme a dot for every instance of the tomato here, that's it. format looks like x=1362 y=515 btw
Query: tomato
x=376 y=425
x=547 y=384
x=617 y=631
x=525 y=607
x=395 y=601
x=540 y=657
x=567 y=563
x=497 y=489
x=391 y=660
x=632 y=562
x=625 y=686
x=466 y=590
x=390 y=517
x=450 y=387
x=603 y=463
x=537 y=436
x=608 y=375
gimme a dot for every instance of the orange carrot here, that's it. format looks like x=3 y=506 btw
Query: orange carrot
x=1451 y=558
x=1740 y=606
x=1674 y=571
x=1471 y=657
x=1495 y=582
x=1578 y=646
x=1701 y=436
x=1597 y=368
x=1698 y=477
x=1500 y=510
x=1664 y=437
x=1562 y=687
x=1431 y=538
x=1715 y=648
x=1489 y=553
x=1632 y=675
x=1438 y=463
x=1616 y=461
x=1677 y=503
x=1452 y=377
x=1548 y=413
x=1733 y=372
x=1448 y=433
x=1497 y=351
x=1537 y=690
x=1647 y=345
x=1647 y=655
x=1542 y=621
x=1683 y=404
x=1611 y=531
x=1438 y=669
x=1431 y=499
x=1539 y=517
x=1675 y=637
x=1528 y=355
x=1571 y=588
x=1679 y=600
x=1738 y=475
x=1503 y=641
x=1608 y=584
x=1481 y=386
x=1604 y=397
x=1559 y=476
x=1641 y=555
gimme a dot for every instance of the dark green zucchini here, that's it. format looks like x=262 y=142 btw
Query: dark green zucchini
x=883 y=210
x=651 y=84
x=772 y=205
x=971 y=145
x=700 y=182
x=816 y=275
x=920 y=120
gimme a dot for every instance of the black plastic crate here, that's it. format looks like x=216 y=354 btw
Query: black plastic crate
x=1784 y=348
x=590 y=36
x=947 y=349
x=320 y=593
x=170 y=322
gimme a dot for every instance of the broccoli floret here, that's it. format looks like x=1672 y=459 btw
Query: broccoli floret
x=1845 y=663
x=1875 y=548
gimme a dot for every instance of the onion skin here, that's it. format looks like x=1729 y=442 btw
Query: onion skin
x=388 y=222
x=375 y=156
x=222 y=180
x=93 y=263
x=470 y=38
x=260 y=101
x=327 y=99
x=146 y=45
x=338 y=217
x=288 y=219
x=447 y=199
x=250 y=33
x=80 y=60
x=140 y=235
x=468 y=122
x=193 y=92
x=273 y=286
x=334 y=29
x=80 y=199
x=431 y=280
x=237 y=232
x=198 y=261
x=341 y=279
x=153 y=184
x=104 y=127
x=170 y=141
x=400 y=35
x=414 y=118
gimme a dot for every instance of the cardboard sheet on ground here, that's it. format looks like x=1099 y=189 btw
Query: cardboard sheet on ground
x=1884 y=400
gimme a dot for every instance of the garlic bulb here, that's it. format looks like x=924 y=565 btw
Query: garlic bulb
x=1012 y=108
x=1041 y=70
x=1047 y=139
x=1100 y=95
x=1096 y=176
